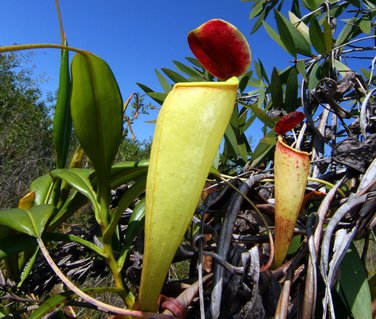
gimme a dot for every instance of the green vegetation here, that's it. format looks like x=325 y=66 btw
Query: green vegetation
x=26 y=150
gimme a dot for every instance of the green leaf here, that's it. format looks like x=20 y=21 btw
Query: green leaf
x=317 y=36
x=97 y=113
x=125 y=172
x=261 y=72
x=195 y=62
x=293 y=40
x=257 y=8
x=365 y=24
x=328 y=36
x=291 y=98
x=260 y=114
x=317 y=73
x=276 y=90
x=58 y=301
x=78 y=178
x=274 y=35
x=259 y=22
x=135 y=225
x=341 y=68
x=159 y=97
x=310 y=4
x=354 y=285
x=300 y=25
x=285 y=35
x=262 y=149
x=244 y=81
x=188 y=70
x=71 y=205
x=41 y=186
x=15 y=244
x=165 y=85
x=235 y=141
x=30 y=222
x=349 y=31
x=300 y=66
x=174 y=76
x=295 y=244
x=62 y=124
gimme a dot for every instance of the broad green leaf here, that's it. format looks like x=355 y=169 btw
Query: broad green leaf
x=295 y=8
x=276 y=90
x=328 y=36
x=365 y=24
x=174 y=76
x=62 y=124
x=124 y=167
x=188 y=70
x=135 y=225
x=58 y=301
x=30 y=222
x=165 y=85
x=274 y=35
x=295 y=243
x=291 y=37
x=317 y=73
x=341 y=68
x=15 y=244
x=285 y=35
x=125 y=172
x=261 y=72
x=194 y=61
x=317 y=36
x=52 y=303
x=354 y=285
x=291 y=97
x=300 y=25
x=41 y=186
x=157 y=97
x=71 y=205
x=311 y=4
x=235 y=140
x=97 y=113
x=349 y=31
x=78 y=178
x=266 y=144
x=26 y=262
x=366 y=73
x=257 y=8
x=300 y=66
x=258 y=22
x=243 y=83
x=135 y=222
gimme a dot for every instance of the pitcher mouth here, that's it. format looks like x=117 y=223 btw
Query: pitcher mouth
x=231 y=82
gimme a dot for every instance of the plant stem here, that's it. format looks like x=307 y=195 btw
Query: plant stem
x=19 y=47
x=62 y=33
x=126 y=295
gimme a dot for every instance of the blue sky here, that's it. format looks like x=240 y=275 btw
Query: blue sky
x=134 y=37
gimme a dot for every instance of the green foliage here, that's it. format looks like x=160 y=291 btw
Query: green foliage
x=26 y=149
